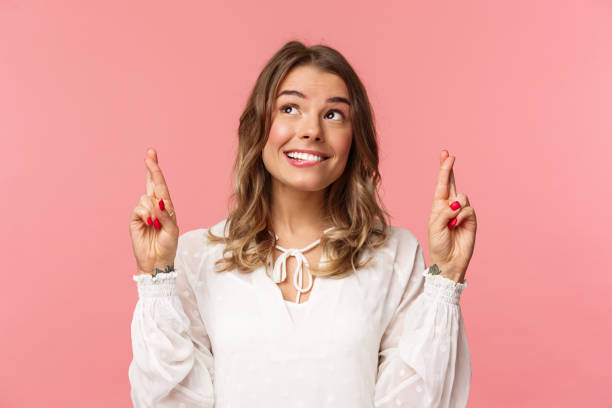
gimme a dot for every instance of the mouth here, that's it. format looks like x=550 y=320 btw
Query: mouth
x=303 y=159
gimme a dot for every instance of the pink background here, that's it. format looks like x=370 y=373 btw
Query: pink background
x=520 y=92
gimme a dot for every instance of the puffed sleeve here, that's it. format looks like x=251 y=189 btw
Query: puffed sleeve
x=424 y=358
x=172 y=363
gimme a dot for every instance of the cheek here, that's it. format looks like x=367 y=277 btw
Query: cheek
x=280 y=133
x=342 y=145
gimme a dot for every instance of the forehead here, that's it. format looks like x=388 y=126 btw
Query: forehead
x=314 y=82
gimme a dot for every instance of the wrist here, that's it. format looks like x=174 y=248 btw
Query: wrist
x=166 y=269
x=447 y=271
x=454 y=278
x=161 y=267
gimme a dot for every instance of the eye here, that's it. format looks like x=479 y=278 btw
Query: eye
x=285 y=107
x=341 y=115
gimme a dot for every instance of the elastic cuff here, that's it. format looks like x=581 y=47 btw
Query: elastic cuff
x=162 y=285
x=442 y=288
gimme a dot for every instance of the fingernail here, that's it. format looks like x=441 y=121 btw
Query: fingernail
x=455 y=205
x=157 y=224
x=162 y=206
x=149 y=221
x=452 y=223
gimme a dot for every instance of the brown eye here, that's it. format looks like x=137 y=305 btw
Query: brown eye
x=341 y=116
x=285 y=107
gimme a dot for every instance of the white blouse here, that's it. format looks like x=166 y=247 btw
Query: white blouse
x=296 y=310
x=389 y=335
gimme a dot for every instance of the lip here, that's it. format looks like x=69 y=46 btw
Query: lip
x=301 y=163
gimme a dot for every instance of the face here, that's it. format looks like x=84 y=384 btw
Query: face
x=311 y=134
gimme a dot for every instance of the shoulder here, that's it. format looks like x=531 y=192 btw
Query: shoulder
x=401 y=240
x=219 y=228
x=404 y=253
x=196 y=254
x=395 y=271
x=398 y=254
x=195 y=241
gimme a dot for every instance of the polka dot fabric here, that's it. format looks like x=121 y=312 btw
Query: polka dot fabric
x=424 y=357
x=387 y=336
x=172 y=362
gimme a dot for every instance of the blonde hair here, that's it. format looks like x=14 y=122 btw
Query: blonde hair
x=352 y=202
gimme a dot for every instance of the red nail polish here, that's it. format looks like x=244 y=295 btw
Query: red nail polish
x=162 y=206
x=157 y=224
x=452 y=223
x=455 y=205
x=149 y=221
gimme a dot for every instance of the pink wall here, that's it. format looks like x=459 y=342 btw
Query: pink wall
x=519 y=92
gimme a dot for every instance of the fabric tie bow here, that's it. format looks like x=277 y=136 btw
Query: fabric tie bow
x=279 y=271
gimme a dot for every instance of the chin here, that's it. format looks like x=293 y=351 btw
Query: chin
x=305 y=185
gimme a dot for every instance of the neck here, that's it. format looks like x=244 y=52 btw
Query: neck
x=297 y=216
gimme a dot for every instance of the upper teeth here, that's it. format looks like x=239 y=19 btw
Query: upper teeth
x=304 y=156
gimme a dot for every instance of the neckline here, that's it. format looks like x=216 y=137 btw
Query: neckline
x=296 y=304
x=274 y=297
x=304 y=249
x=279 y=267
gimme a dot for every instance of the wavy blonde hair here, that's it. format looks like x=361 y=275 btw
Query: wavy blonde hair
x=352 y=203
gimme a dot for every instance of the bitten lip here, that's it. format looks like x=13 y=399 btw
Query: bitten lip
x=316 y=153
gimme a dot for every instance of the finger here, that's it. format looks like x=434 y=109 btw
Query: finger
x=453 y=188
x=161 y=199
x=450 y=213
x=461 y=198
x=146 y=202
x=442 y=189
x=160 y=189
x=154 y=155
x=464 y=213
x=162 y=218
x=156 y=213
x=143 y=214
x=150 y=186
x=153 y=203
x=443 y=155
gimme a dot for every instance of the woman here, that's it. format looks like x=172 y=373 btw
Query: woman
x=304 y=295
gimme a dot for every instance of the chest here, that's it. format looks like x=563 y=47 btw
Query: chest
x=251 y=315
x=288 y=287
x=247 y=311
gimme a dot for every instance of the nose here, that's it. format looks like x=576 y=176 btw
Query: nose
x=311 y=129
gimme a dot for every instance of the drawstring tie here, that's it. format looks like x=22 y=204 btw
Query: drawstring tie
x=279 y=272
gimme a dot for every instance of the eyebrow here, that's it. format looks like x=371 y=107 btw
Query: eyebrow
x=301 y=95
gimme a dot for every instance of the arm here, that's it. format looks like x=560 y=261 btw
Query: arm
x=172 y=362
x=424 y=355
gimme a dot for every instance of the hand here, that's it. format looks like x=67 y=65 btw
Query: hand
x=451 y=243
x=154 y=231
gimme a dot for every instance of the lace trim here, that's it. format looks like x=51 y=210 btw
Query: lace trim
x=162 y=285
x=442 y=288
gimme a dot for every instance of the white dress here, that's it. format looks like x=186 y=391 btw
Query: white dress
x=387 y=336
